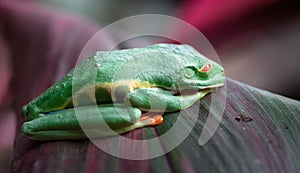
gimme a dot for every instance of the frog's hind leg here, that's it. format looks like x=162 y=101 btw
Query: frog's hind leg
x=64 y=124
x=100 y=121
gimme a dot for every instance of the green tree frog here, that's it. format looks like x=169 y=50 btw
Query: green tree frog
x=167 y=72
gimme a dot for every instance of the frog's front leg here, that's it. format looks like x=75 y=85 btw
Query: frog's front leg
x=159 y=100
x=65 y=124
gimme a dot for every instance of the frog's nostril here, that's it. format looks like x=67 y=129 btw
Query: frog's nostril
x=24 y=111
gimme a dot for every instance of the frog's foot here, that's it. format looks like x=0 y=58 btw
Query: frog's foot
x=142 y=122
x=151 y=120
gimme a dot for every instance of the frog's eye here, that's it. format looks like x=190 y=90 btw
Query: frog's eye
x=205 y=68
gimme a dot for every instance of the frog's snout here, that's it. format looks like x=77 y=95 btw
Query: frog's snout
x=28 y=113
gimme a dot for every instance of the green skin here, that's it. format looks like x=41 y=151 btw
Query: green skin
x=101 y=99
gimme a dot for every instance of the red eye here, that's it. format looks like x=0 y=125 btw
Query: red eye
x=205 y=68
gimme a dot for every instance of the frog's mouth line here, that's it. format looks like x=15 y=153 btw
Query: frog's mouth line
x=214 y=86
x=195 y=90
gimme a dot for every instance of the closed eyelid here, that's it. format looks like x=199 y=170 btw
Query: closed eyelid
x=205 y=68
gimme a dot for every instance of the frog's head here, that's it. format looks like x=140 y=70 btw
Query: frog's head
x=181 y=67
x=192 y=70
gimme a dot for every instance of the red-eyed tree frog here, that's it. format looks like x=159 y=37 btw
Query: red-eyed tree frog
x=118 y=86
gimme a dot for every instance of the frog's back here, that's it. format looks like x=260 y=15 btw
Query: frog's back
x=108 y=63
x=112 y=62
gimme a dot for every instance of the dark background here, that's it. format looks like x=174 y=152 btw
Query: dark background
x=256 y=40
